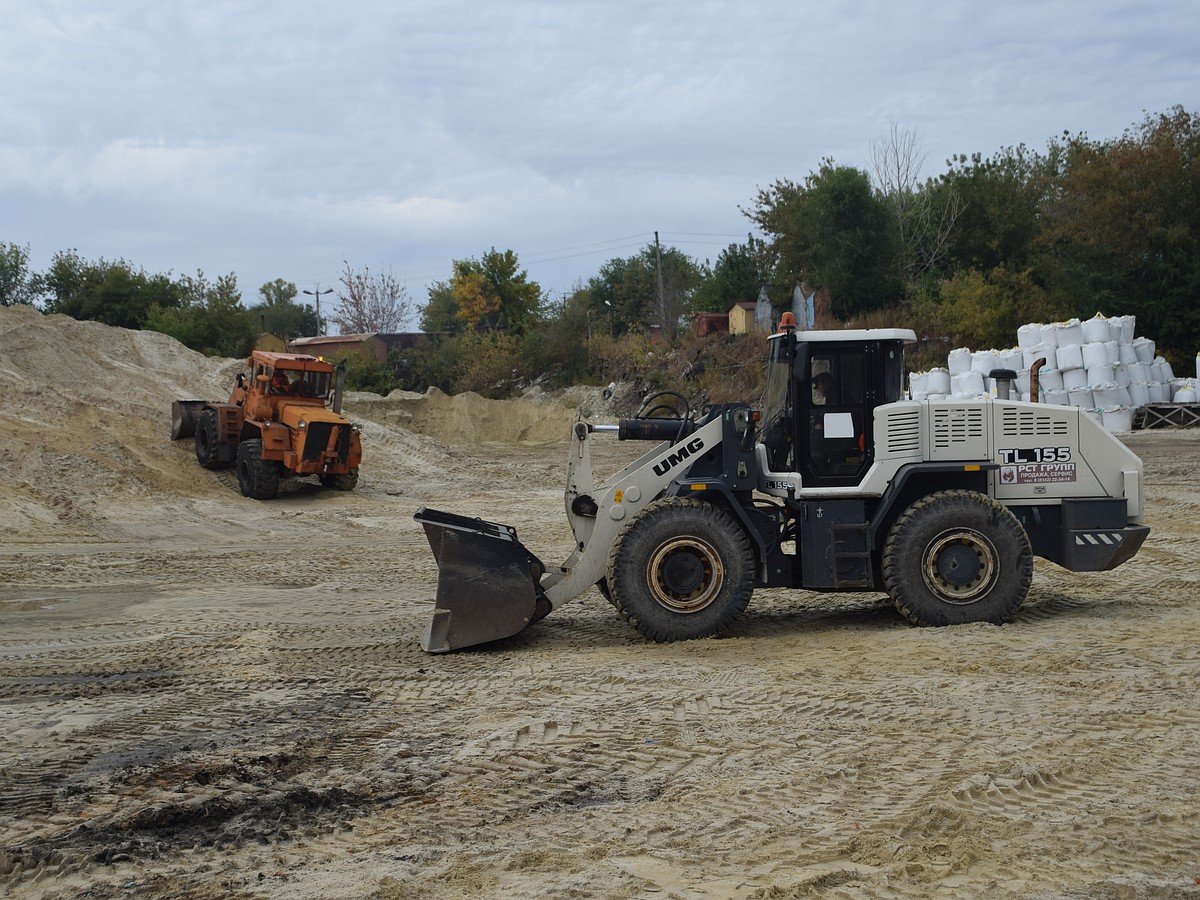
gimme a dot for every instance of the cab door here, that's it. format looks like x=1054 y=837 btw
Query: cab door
x=835 y=402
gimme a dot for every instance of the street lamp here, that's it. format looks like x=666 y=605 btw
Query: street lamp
x=611 y=316
x=317 y=293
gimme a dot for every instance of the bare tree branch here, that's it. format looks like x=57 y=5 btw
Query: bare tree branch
x=370 y=303
x=924 y=222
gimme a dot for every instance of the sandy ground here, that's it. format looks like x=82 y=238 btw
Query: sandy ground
x=209 y=696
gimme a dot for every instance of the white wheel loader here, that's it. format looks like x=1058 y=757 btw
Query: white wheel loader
x=838 y=483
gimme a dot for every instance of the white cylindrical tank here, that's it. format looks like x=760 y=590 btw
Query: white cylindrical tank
x=1050 y=337
x=1081 y=397
x=1029 y=336
x=1118 y=419
x=1095 y=354
x=959 y=361
x=1070 y=332
x=1070 y=356
x=1096 y=329
x=983 y=361
x=1074 y=378
x=1050 y=380
x=939 y=381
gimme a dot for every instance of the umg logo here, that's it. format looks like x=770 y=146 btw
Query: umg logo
x=691 y=448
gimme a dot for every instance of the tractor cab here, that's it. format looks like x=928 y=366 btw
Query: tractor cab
x=290 y=375
x=821 y=394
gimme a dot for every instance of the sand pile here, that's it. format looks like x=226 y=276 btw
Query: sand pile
x=51 y=364
x=466 y=419
x=85 y=421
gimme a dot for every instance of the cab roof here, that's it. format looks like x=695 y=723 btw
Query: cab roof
x=300 y=361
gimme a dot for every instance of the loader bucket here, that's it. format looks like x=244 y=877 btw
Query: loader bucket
x=183 y=418
x=487 y=581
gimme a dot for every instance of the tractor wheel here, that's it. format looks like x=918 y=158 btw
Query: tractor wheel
x=682 y=569
x=208 y=440
x=602 y=587
x=347 y=481
x=955 y=557
x=257 y=477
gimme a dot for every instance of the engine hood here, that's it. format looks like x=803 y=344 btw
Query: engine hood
x=292 y=415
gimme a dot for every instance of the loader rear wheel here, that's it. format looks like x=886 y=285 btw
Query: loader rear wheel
x=681 y=570
x=257 y=477
x=347 y=481
x=208 y=440
x=955 y=557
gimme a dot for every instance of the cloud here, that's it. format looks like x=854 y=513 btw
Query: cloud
x=284 y=138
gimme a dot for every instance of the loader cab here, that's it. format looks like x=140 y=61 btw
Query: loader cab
x=822 y=391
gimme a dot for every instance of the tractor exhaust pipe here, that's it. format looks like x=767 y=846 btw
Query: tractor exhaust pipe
x=339 y=387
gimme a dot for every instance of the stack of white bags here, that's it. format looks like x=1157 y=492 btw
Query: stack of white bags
x=1097 y=365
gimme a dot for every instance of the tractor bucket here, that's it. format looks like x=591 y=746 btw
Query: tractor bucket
x=183 y=418
x=487 y=582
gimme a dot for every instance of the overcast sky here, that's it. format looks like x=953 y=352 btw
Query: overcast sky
x=280 y=139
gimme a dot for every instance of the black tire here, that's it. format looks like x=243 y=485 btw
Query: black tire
x=347 y=481
x=208 y=440
x=602 y=587
x=257 y=477
x=955 y=557
x=681 y=570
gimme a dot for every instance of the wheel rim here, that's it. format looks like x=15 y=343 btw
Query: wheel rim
x=960 y=566
x=685 y=574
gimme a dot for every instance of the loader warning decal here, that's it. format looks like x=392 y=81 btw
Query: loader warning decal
x=1036 y=465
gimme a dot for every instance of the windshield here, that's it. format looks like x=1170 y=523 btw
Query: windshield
x=294 y=383
x=776 y=410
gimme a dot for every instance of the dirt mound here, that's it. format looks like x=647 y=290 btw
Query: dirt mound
x=466 y=419
x=49 y=364
x=85 y=419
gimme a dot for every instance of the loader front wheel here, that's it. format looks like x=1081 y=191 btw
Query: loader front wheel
x=681 y=570
x=257 y=477
x=208 y=440
x=955 y=557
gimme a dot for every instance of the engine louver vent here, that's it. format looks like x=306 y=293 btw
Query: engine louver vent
x=956 y=424
x=904 y=432
x=1032 y=423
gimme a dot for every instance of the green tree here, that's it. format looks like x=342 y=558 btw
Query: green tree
x=280 y=314
x=439 y=315
x=110 y=292
x=978 y=310
x=628 y=290
x=210 y=318
x=17 y=284
x=1123 y=232
x=1003 y=200
x=491 y=293
x=740 y=271
x=833 y=232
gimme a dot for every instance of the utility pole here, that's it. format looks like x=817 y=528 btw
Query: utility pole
x=658 y=270
x=317 y=293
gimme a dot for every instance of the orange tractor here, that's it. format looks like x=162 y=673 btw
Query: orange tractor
x=282 y=420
